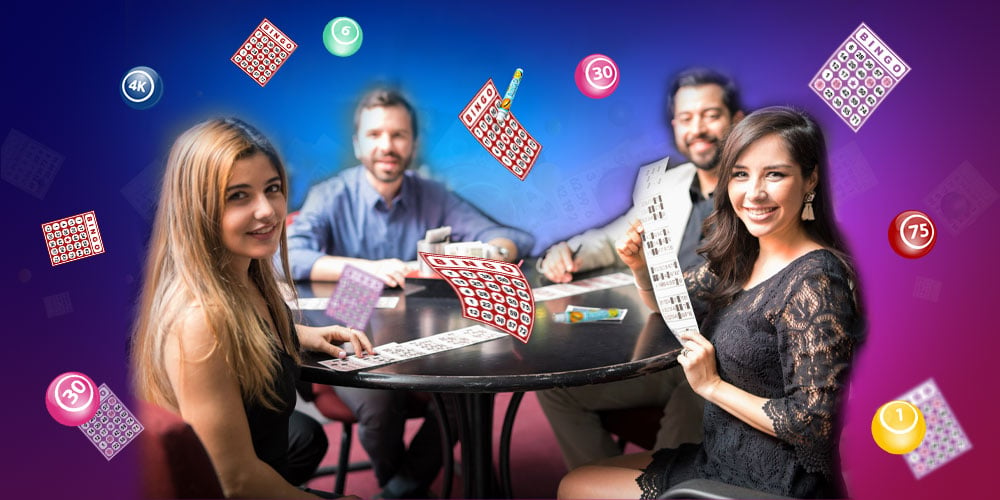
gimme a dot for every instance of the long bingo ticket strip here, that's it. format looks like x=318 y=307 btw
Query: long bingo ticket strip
x=858 y=76
x=493 y=292
x=660 y=248
x=510 y=144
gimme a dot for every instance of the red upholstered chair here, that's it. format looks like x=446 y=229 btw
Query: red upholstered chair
x=174 y=462
x=633 y=425
x=332 y=407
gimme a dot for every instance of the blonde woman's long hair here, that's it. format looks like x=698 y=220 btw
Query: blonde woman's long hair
x=187 y=267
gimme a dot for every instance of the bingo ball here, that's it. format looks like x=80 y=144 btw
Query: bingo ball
x=597 y=76
x=342 y=36
x=912 y=234
x=72 y=399
x=898 y=427
x=141 y=87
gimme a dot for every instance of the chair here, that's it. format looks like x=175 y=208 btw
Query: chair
x=707 y=488
x=633 y=425
x=174 y=462
x=332 y=407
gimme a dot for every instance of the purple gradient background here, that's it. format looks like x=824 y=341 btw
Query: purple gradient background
x=63 y=66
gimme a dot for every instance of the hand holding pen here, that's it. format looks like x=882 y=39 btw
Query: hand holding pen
x=559 y=263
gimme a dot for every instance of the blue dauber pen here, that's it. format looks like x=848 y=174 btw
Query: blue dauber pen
x=509 y=96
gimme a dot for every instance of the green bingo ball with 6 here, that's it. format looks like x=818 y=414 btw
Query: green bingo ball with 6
x=342 y=36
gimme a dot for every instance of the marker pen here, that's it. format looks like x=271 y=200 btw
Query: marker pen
x=508 y=97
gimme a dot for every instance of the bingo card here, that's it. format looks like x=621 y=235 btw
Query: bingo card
x=355 y=297
x=113 y=426
x=493 y=292
x=72 y=238
x=858 y=76
x=28 y=164
x=510 y=144
x=263 y=52
x=944 y=439
x=660 y=249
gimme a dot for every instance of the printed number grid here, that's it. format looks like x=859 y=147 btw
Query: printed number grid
x=944 y=440
x=113 y=427
x=263 y=52
x=509 y=143
x=492 y=292
x=28 y=164
x=858 y=76
x=72 y=238
x=355 y=297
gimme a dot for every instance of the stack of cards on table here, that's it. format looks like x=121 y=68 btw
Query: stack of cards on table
x=492 y=292
x=583 y=286
x=395 y=352
x=355 y=297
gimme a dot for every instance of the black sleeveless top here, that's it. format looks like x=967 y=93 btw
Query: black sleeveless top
x=269 y=428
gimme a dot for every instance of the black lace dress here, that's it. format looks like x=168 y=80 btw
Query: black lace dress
x=790 y=339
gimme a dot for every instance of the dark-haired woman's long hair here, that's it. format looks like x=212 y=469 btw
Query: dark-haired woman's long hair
x=729 y=247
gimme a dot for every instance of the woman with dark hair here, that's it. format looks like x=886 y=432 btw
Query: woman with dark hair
x=778 y=300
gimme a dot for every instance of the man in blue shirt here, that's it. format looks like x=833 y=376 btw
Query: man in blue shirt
x=371 y=216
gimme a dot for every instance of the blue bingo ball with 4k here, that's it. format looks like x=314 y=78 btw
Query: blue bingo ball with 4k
x=141 y=87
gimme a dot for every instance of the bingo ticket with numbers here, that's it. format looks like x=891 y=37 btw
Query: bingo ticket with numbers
x=492 y=292
x=263 y=52
x=72 y=238
x=858 y=76
x=113 y=427
x=510 y=143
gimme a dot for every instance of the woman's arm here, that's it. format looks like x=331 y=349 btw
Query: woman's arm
x=321 y=339
x=629 y=249
x=208 y=398
x=698 y=361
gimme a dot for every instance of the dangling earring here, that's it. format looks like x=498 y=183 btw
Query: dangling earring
x=807 y=211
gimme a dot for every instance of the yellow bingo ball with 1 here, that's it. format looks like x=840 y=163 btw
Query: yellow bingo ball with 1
x=898 y=427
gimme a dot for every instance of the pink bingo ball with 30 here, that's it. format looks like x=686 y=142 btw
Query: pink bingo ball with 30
x=72 y=399
x=597 y=76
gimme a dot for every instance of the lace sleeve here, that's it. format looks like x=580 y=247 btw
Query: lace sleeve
x=700 y=282
x=817 y=335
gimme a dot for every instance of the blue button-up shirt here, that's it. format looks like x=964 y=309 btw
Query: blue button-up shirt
x=344 y=216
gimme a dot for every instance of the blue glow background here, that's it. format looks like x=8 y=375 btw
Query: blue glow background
x=63 y=65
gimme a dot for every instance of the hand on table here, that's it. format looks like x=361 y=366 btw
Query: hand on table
x=559 y=264
x=391 y=271
x=698 y=360
x=322 y=339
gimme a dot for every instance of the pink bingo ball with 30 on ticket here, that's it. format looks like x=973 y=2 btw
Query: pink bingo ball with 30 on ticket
x=597 y=76
x=72 y=399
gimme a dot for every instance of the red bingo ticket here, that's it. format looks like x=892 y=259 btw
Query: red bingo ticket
x=263 y=52
x=509 y=143
x=72 y=238
x=493 y=292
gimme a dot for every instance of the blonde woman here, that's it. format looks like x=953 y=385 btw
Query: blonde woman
x=214 y=341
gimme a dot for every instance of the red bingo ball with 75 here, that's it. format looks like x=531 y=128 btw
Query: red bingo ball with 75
x=912 y=234
x=72 y=399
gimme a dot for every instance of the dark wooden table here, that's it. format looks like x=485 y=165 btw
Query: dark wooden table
x=557 y=355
